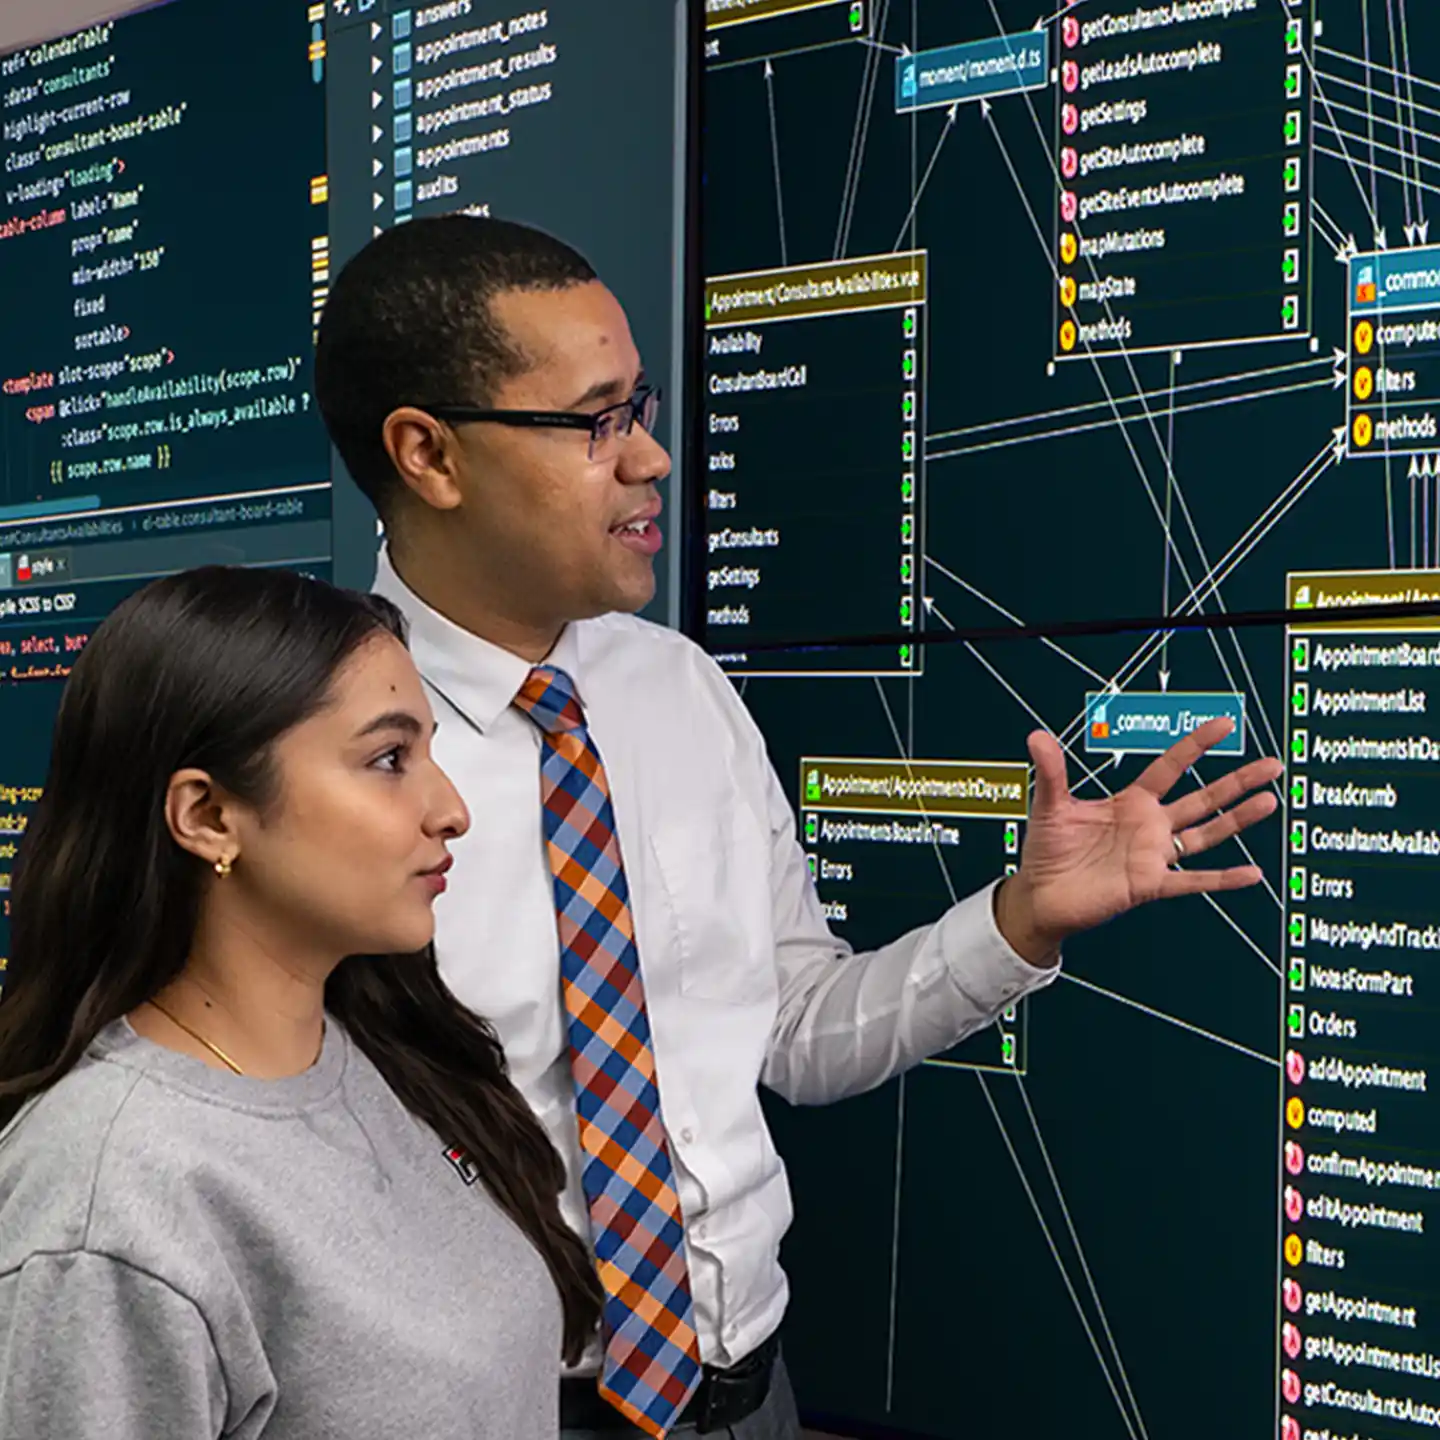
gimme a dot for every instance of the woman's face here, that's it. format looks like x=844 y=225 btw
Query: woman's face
x=350 y=856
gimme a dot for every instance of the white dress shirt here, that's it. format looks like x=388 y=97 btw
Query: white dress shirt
x=744 y=982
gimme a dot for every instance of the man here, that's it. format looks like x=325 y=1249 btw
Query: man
x=631 y=909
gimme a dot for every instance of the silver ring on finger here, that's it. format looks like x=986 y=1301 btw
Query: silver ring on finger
x=1179 y=852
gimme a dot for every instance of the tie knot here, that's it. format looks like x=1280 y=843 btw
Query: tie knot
x=548 y=698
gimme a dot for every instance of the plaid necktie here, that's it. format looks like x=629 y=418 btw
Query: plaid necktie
x=652 y=1354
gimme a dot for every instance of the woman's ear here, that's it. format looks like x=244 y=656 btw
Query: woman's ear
x=200 y=820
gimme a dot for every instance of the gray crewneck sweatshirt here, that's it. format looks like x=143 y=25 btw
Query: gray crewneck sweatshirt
x=189 y=1253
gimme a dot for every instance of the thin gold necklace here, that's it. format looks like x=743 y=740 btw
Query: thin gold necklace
x=195 y=1035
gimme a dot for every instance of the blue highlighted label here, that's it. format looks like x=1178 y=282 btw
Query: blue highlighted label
x=1002 y=66
x=1395 y=280
x=1148 y=722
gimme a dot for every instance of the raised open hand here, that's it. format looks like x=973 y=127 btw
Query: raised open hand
x=1086 y=861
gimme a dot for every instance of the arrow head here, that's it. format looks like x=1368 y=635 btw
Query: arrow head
x=1411 y=231
x=1337 y=380
x=1348 y=250
x=1337 y=356
x=376 y=99
x=929 y=603
x=1382 y=240
x=375 y=63
x=1164 y=679
x=769 y=70
x=1339 y=442
x=376 y=165
x=375 y=28
x=376 y=201
x=905 y=51
x=375 y=134
x=1423 y=229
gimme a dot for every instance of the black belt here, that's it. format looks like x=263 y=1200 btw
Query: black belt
x=723 y=1397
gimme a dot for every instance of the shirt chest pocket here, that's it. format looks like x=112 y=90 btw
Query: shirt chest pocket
x=714 y=873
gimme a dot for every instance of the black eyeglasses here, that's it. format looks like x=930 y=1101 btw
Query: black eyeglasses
x=607 y=427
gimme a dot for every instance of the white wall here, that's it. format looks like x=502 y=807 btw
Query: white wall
x=25 y=21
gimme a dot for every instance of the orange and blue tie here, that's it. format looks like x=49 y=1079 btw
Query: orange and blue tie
x=652 y=1354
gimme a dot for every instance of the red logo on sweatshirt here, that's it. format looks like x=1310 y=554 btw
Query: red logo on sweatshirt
x=465 y=1167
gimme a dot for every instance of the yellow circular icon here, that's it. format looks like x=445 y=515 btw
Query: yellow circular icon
x=1068 y=248
x=1364 y=431
x=1294 y=1250
x=1364 y=337
x=1067 y=336
x=1364 y=383
x=1295 y=1112
x=1067 y=290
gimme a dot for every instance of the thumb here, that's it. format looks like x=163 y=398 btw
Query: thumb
x=1052 y=784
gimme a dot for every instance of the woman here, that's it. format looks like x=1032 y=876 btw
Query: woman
x=238 y=1169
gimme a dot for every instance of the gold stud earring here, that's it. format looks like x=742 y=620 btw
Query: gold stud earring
x=222 y=867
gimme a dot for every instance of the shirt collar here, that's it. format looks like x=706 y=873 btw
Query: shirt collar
x=480 y=679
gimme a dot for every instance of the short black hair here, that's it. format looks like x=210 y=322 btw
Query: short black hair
x=409 y=321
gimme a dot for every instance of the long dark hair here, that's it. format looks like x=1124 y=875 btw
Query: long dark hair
x=209 y=669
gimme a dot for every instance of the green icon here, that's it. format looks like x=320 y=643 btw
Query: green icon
x=1008 y=1014
x=707 y=307
x=1299 y=792
x=907 y=447
x=1290 y=267
x=1292 y=82
x=1295 y=1021
x=812 y=786
x=907 y=488
x=907 y=406
x=1296 y=974
x=907 y=656
x=1298 y=879
x=1290 y=312
x=1304 y=599
x=1292 y=217
x=907 y=612
x=1300 y=655
x=1011 y=870
x=1012 y=837
x=814 y=865
x=1300 y=698
x=857 y=15
x=1300 y=746
x=1297 y=929
x=1007 y=1049
x=1292 y=173
x=907 y=529
x=1294 y=33
x=907 y=365
x=908 y=324
x=907 y=569
x=812 y=829
x=1297 y=838
x=1293 y=129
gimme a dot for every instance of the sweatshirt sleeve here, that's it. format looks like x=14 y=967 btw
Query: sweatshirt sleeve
x=93 y=1349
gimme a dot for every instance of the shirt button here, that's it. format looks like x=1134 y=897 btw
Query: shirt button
x=688 y=1136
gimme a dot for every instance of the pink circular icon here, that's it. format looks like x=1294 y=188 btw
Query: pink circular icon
x=1068 y=206
x=1293 y=1296
x=1289 y=1428
x=1069 y=118
x=1290 y=1339
x=1069 y=163
x=1070 y=32
x=1294 y=1067
x=1290 y=1386
x=1070 y=77
x=1294 y=1158
x=1294 y=1205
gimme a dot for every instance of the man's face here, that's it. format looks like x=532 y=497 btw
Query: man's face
x=555 y=534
